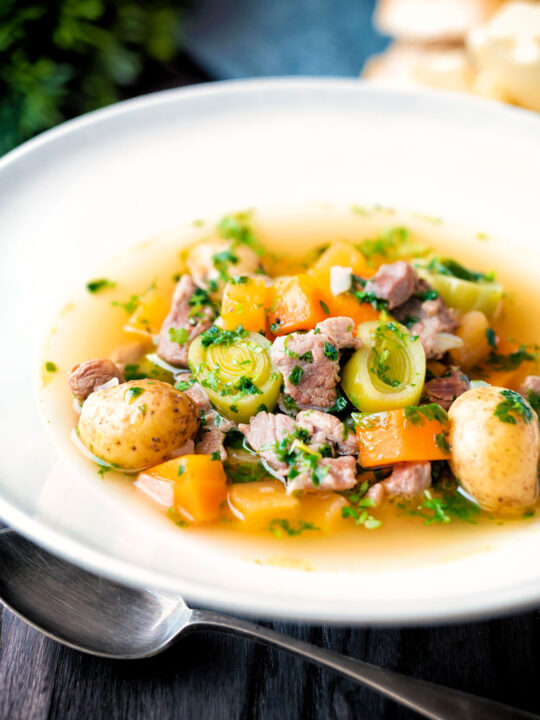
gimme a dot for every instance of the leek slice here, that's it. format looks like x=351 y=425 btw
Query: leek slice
x=481 y=293
x=388 y=371
x=236 y=371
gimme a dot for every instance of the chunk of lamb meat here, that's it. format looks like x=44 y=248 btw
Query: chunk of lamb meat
x=87 y=377
x=264 y=431
x=325 y=429
x=531 y=384
x=427 y=319
x=211 y=441
x=210 y=418
x=180 y=317
x=341 y=475
x=408 y=480
x=309 y=362
x=395 y=283
x=445 y=389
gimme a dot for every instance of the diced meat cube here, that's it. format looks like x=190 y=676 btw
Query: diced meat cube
x=445 y=389
x=326 y=429
x=427 y=319
x=210 y=419
x=210 y=442
x=531 y=384
x=181 y=317
x=339 y=332
x=394 y=283
x=309 y=362
x=341 y=475
x=376 y=493
x=88 y=376
x=188 y=448
x=408 y=480
x=264 y=431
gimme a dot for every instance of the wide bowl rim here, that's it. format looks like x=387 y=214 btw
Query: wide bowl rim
x=468 y=606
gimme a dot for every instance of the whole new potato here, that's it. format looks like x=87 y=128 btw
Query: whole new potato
x=495 y=444
x=137 y=424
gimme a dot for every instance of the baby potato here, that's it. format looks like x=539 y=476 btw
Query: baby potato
x=138 y=423
x=218 y=260
x=495 y=444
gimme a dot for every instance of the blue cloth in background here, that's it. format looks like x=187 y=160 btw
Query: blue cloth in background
x=253 y=38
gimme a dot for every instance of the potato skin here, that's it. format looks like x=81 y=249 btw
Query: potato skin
x=137 y=432
x=495 y=462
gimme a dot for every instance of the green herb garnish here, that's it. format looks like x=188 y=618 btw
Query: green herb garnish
x=279 y=526
x=94 y=286
x=50 y=366
x=512 y=406
x=330 y=351
x=296 y=375
x=178 y=335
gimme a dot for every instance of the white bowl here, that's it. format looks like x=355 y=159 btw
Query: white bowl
x=81 y=193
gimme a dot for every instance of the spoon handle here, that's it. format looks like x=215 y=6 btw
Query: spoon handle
x=432 y=701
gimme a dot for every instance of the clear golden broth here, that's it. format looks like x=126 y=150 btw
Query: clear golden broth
x=90 y=327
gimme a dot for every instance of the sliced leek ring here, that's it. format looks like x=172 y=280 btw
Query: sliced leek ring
x=464 y=295
x=236 y=371
x=388 y=371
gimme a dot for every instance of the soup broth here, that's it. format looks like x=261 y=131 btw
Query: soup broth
x=94 y=325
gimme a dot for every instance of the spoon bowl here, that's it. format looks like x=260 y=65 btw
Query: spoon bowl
x=86 y=612
x=98 y=616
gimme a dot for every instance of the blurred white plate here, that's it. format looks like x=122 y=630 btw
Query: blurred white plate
x=81 y=193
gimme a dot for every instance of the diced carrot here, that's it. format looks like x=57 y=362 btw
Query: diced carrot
x=402 y=435
x=323 y=510
x=344 y=254
x=147 y=318
x=345 y=304
x=256 y=504
x=244 y=304
x=295 y=304
x=199 y=485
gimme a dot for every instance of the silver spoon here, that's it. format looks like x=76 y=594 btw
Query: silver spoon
x=101 y=617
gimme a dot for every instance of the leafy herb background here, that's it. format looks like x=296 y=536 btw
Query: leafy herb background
x=61 y=58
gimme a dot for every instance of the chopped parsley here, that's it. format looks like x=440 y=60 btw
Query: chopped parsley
x=289 y=403
x=324 y=307
x=143 y=408
x=307 y=357
x=50 y=366
x=512 y=361
x=199 y=301
x=240 y=280
x=222 y=260
x=237 y=228
x=216 y=336
x=339 y=405
x=133 y=392
x=216 y=455
x=427 y=295
x=418 y=415
x=438 y=510
x=246 y=472
x=175 y=516
x=533 y=398
x=181 y=469
x=441 y=441
x=296 y=375
x=274 y=327
x=184 y=385
x=491 y=338
x=233 y=408
x=330 y=351
x=358 y=509
x=246 y=386
x=451 y=268
x=133 y=303
x=511 y=407
x=94 y=286
x=278 y=526
x=178 y=335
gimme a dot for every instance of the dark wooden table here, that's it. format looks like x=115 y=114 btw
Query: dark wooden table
x=215 y=677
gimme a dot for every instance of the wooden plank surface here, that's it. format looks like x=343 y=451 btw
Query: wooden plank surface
x=213 y=677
